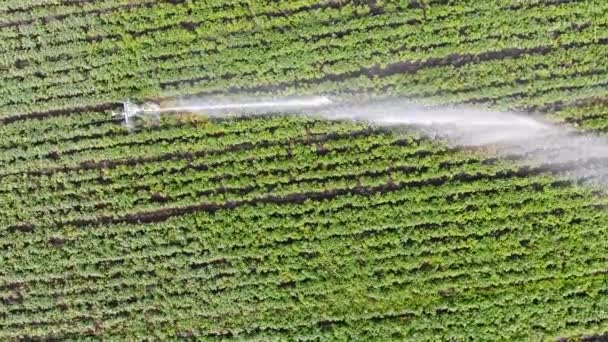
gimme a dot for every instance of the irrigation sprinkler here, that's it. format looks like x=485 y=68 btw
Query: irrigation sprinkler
x=152 y=111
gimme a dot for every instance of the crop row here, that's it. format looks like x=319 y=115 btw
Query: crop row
x=263 y=161
x=122 y=30
x=131 y=152
x=416 y=232
x=294 y=227
x=436 y=216
x=312 y=27
x=357 y=48
x=429 y=74
x=53 y=14
x=118 y=175
x=172 y=49
x=216 y=184
x=254 y=253
x=194 y=198
x=277 y=308
x=450 y=191
x=116 y=136
x=553 y=95
x=355 y=69
x=194 y=16
x=121 y=323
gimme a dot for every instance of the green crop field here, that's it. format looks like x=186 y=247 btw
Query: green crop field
x=285 y=227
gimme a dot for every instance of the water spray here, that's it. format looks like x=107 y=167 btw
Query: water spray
x=509 y=134
x=151 y=110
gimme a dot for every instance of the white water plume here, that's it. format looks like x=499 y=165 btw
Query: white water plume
x=581 y=156
x=219 y=107
x=251 y=106
x=585 y=157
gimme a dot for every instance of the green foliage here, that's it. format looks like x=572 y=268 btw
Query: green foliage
x=284 y=228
